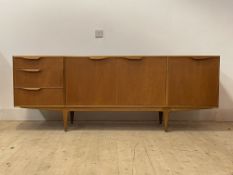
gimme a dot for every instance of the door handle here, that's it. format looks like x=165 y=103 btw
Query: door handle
x=31 y=89
x=30 y=70
x=201 y=58
x=107 y=57
x=98 y=57
x=133 y=57
x=31 y=58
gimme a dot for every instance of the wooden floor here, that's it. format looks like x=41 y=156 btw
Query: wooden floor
x=97 y=148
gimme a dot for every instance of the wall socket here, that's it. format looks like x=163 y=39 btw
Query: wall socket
x=99 y=33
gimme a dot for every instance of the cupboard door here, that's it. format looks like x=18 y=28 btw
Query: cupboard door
x=193 y=81
x=142 y=81
x=90 y=81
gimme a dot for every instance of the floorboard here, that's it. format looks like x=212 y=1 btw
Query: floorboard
x=116 y=148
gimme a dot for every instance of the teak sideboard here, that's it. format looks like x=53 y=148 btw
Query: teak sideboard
x=116 y=83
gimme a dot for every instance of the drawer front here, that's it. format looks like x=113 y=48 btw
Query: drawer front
x=39 y=72
x=193 y=81
x=38 y=96
x=90 y=81
x=142 y=81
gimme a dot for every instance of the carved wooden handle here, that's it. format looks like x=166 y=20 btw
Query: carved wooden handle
x=30 y=70
x=106 y=57
x=31 y=58
x=200 y=58
x=98 y=57
x=133 y=57
x=31 y=89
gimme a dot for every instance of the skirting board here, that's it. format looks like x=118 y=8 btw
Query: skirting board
x=33 y=114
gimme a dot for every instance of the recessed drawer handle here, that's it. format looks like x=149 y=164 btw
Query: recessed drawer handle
x=201 y=58
x=133 y=58
x=31 y=58
x=31 y=89
x=98 y=58
x=125 y=57
x=30 y=70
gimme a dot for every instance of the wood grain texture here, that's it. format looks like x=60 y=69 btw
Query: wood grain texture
x=90 y=81
x=141 y=81
x=42 y=96
x=43 y=72
x=116 y=83
x=65 y=119
x=193 y=81
x=166 y=119
x=116 y=148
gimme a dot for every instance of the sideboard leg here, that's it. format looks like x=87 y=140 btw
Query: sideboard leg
x=166 y=118
x=72 y=117
x=65 y=119
x=160 y=117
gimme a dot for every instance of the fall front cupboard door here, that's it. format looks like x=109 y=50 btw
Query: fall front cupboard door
x=90 y=81
x=193 y=81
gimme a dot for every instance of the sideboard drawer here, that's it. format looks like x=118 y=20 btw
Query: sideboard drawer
x=38 y=96
x=37 y=62
x=38 y=77
x=38 y=72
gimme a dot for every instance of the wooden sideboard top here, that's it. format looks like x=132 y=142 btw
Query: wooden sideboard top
x=81 y=56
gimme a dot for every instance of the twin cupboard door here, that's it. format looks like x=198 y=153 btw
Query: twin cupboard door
x=193 y=81
x=117 y=81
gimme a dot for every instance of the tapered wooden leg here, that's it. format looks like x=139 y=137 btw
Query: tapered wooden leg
x=71 y=117
x=165 y=119
x=160 y=117
x=65 y=119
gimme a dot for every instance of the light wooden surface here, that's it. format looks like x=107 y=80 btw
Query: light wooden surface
x=45 y=72
x=39 y=96
x=111 y=81
x=90 y=81
x=42 y=148
x=142 y=81
x=120 y=80
x=38 y=81
x=193 y=81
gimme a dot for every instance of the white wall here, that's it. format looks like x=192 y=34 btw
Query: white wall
x=150 y=27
